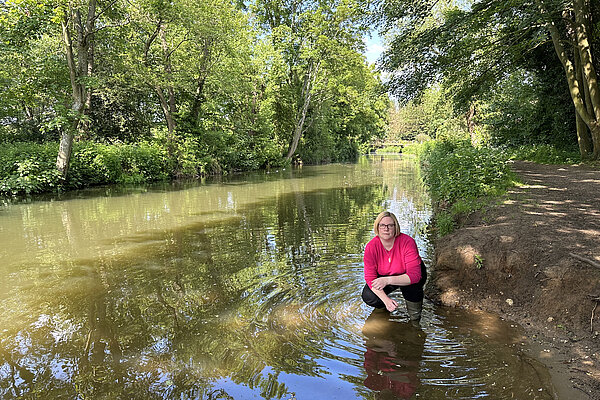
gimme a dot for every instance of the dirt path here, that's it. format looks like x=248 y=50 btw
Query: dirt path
x=516 y=259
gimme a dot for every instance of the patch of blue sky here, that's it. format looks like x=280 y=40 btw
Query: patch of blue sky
x=373 y=47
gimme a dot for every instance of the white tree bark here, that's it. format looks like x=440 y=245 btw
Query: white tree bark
x=307 y=92
x=77 y=69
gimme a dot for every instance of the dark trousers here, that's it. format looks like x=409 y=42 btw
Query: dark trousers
x=412 y=292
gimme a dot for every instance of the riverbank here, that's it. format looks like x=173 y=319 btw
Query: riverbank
x=522 y=259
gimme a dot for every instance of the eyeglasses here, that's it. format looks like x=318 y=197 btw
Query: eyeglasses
x=387 y=226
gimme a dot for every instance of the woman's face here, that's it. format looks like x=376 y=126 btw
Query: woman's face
x=387 y=228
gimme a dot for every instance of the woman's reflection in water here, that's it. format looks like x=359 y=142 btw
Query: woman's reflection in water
x=394 y=352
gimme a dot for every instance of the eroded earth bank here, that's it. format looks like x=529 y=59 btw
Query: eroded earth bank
x=534 y=258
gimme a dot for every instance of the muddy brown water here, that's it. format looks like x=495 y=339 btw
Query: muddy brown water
x=244 y=287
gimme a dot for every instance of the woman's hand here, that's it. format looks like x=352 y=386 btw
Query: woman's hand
x=380 y=282
x=390 y=304
x=377 y=285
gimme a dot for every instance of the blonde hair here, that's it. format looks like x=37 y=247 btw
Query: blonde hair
x=381 y=216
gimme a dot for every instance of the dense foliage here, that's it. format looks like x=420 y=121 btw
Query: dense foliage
x=515 y=71
x=430 y=116
x=28 y=168
x=459 y=175
x=491 y=81
x=544 y=154
x=209 y=86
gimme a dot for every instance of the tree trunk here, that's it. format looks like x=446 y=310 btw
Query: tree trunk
x=166 y=98
x=85 y=124
x=301 y=114
x=198 y=99
x=164 y=104
x=77 y=70
x=298 y=129
x=583 y=137
x=66 y=142
x=587 y=64
x=589 y=118
x=471 y=124
x=167 y=103
x=207 y=51
x=64 y=153
x=590 y=78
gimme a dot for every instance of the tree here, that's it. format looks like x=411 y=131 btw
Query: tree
x=78 y=47
x=34 y=23
x=310 y=36
x=32 y=73
x=178 y=50
x=351 y=112
x=217 y=86
x=575 y=19
x=473 y=48
x=429 y=116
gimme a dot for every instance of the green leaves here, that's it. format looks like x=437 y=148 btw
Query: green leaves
x=469 y=47
x=497 y=56
x=28 y=168
x=459 y=177
x=229 y=86
x=457 y=171
x=325 y=99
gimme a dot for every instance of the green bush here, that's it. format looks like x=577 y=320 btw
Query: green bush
x=444 y=223
x=458 y=175
x=455 y=170
x=144 y=162
x=215 y=152
x=544 y=154
x=93 y=164
x=246 y=153
x=28 y=168
x=100 y=164
x=412 y=148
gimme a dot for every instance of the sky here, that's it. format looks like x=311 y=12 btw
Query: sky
x=374 y=47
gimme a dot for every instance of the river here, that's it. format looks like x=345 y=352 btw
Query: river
x=240 y=287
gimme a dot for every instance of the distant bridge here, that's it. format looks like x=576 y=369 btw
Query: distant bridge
x=381 y=144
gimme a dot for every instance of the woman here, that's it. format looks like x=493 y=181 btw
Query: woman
x=392 y=261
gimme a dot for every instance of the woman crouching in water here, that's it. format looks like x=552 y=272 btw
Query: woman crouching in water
x=392 y=261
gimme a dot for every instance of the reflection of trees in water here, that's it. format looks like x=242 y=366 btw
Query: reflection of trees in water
x=102 y=354
x=246 y=297
x=393 y=356
x=15 y=372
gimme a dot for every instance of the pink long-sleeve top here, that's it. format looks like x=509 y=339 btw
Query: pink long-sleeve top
x=403 y=258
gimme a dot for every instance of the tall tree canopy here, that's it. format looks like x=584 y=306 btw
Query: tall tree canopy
x=219 y=83
x=318 y=44
x=474 y=46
